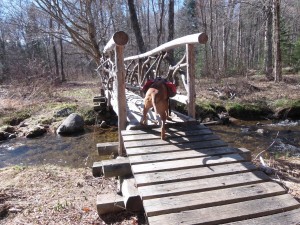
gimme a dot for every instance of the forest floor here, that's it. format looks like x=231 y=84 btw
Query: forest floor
x=51 y=194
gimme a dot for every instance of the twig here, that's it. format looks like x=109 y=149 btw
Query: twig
x=259 y=154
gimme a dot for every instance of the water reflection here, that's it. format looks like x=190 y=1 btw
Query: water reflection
x=259 y=135
x=76 y=151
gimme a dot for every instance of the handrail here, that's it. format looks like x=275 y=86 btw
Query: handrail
x=119 y=38
x=189 y=39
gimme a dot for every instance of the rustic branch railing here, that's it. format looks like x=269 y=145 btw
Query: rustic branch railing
x=156 y=62
x=114 y=75
x=132 y=72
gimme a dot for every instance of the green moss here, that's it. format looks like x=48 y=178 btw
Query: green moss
x=88 y=114
x=58 y=106
x=248 y=111
x=285 y=103
x=17 y=117
x=208 y=109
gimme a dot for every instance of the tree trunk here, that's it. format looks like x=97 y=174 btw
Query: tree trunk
x=160 y=30
x=238 y=40
x=212 y=51
x=268 y=42
x=54 y=52
x=136 y=26
x=276 y=41
x=92 y=31
x=62 y=71
x=171 y=28
x=202 y=11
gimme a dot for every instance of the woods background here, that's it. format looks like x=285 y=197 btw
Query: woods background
x=56 y=40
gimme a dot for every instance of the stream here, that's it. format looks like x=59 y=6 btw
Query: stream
x=281 y=139
x=74 y=151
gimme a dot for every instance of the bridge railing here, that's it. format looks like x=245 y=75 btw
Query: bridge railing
x=112 y=74
x=159 y=62
x=133 y=72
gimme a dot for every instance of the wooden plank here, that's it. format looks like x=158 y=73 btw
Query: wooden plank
x=186 y=163
x=174 y=148
x=156 y=135
x=190 y=186
x=185 y=154
x=290 y=217
x=229 y=213
x=174 y=204
x=177 y=140
x=189 y=174
x=170 y=129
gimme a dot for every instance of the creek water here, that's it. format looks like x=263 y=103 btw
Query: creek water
x=80 y=150
x=280 y=138
x=75 y=151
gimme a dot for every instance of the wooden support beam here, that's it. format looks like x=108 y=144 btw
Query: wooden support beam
x=122 y=114
x=131 y=197
x=109 y=203
x=108 y=148
x=190 y=59
x=245 y=153
x=116 y=167
x=97 y=169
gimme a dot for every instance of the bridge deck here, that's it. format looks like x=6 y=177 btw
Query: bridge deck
x=193 y=177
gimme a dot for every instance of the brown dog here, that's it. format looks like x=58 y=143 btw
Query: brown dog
x=157 y=97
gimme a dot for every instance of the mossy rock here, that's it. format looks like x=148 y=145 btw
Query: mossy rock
x=247 y=111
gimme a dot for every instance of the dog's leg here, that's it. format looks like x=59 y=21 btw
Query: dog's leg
x=163 y=130
x=144 y=120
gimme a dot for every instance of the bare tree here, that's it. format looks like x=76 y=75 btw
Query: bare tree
x=136 y=26
x=227 y=24
x=78 y=20
x=171 y=27
x=268 y=40
x=276 y=41
x=158 y=18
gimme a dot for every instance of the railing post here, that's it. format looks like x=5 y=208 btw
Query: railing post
x=117 y=43
x=191 y=94
x=122 y=114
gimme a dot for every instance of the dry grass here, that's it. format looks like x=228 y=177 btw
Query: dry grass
x=55 y=195
x=255 y=88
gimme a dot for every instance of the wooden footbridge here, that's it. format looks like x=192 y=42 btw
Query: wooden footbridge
x=192 y=177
